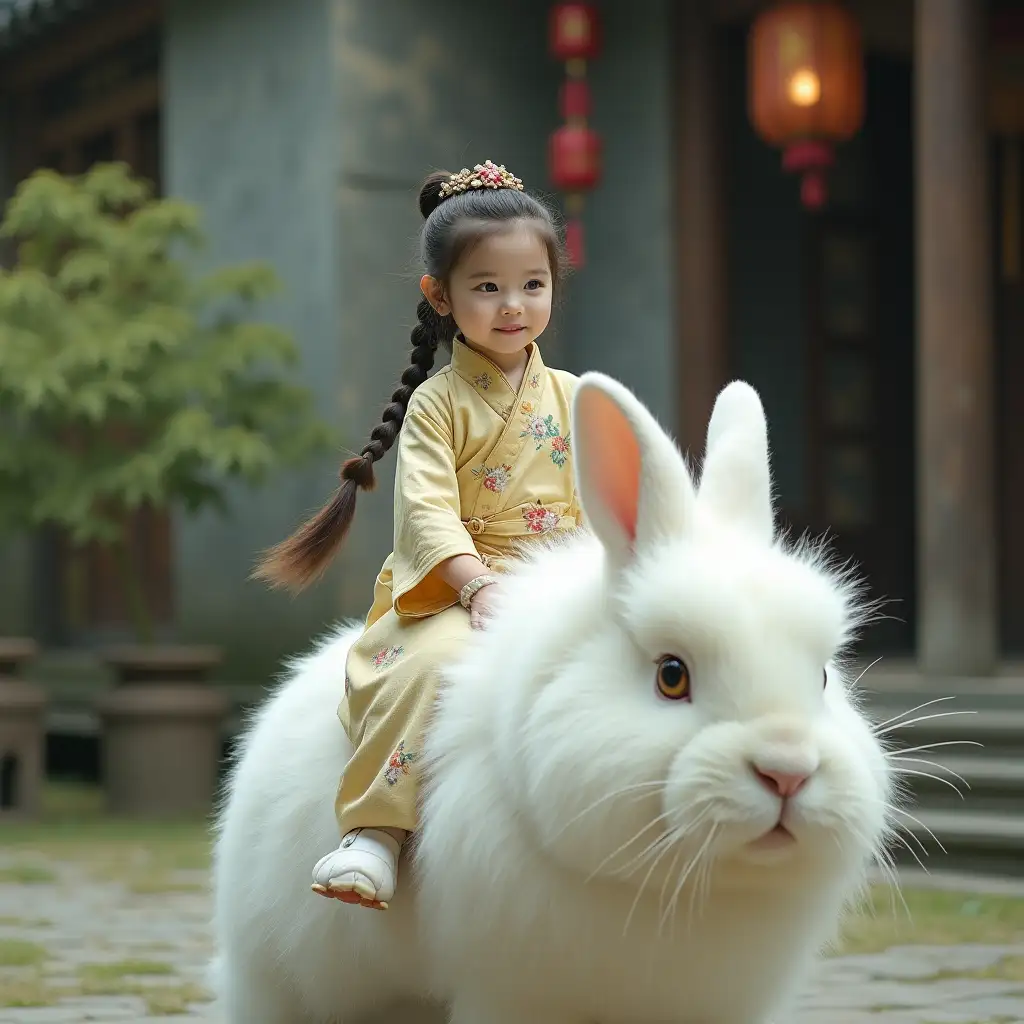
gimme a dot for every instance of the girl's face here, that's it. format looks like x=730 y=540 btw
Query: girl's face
x=499 y=293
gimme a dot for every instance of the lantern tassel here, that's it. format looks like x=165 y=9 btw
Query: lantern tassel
x=574 y=229
x=810 y=159
x=813 y=190
x=574 y=241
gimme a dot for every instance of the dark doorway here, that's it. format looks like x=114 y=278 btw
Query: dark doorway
x=8 y=782
x=860 y=289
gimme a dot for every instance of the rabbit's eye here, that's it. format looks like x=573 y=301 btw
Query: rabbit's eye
x=824 y=678
x=673 y=678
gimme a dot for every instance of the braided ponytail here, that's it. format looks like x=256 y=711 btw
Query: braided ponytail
x=453 y=222
x=302 y=557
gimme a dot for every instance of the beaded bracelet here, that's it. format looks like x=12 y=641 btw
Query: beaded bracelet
x=473 y=587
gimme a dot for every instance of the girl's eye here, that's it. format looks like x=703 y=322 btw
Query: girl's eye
x=487 y=286
x=532 y=286
x=673 y=678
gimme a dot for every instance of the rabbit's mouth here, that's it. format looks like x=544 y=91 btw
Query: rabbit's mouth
x=777 y=838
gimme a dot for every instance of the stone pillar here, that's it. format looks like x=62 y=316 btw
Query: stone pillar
x=957 y=596
x=701 y=334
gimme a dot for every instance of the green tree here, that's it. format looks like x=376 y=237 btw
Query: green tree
x=127 y=379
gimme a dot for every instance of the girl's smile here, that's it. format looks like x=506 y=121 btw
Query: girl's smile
x=499 y=294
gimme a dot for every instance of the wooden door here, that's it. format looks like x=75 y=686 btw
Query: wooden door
x=860 y=288
x=860 y=424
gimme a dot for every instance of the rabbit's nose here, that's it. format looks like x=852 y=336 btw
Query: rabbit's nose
x=784 y=784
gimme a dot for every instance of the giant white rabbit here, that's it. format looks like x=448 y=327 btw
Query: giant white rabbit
x=650 y=791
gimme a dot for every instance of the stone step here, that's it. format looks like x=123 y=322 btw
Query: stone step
x=987 y=782
x=951 y=728
x=982 y=842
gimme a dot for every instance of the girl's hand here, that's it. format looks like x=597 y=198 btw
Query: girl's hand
x=481 y=608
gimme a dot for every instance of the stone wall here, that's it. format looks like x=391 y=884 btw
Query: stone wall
x=304 y=131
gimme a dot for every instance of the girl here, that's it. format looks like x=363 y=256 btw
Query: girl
x=483 y=463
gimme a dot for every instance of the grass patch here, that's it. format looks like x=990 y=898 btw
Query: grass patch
x=167 y=1000
x=73 y=827
x=152 y=982
x=125 y=978
x=28 y=991
x=74 y=815
x=115 y=973
x=1008 y=968
x=26 y=874
x=19 y=953
x=936 y=918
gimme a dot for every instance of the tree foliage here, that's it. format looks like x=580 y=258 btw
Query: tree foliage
x=125 y=378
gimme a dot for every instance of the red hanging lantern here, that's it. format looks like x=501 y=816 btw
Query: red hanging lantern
x=806 y=86
x=574 y=99
x=575 y=32
x=574 y=152
x=575 y=158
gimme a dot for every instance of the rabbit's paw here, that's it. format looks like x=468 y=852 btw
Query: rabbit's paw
x=363 y=870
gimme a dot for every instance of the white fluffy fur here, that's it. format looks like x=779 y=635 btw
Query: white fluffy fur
x=588 y=849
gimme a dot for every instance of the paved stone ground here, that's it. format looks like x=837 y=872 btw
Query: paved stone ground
x=96 y=933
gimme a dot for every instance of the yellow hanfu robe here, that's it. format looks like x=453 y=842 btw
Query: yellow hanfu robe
x=481 y=469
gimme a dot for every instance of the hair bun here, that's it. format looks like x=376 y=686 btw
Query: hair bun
x=430 y=193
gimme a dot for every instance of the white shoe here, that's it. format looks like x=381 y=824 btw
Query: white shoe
x=364 y=869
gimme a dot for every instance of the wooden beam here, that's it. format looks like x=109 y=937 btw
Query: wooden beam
x=78 y=42
x=135 y=99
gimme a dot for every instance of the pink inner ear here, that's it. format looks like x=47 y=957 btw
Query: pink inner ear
x=617 y=472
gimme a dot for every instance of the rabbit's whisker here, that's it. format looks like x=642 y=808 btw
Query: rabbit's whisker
x=704 y=883
x=677 y=834
x=650 y=871
x=629 y=842
x=669 y=875
x=699 y=859
x=641 y=789
x=887 y=862
x=936 y=778
x=864 y=671
x=909 y=711
x=923 y=718
x=931 y=764
x=899 y=810
x=891 y=754
x=862 y=903
x=900 y=838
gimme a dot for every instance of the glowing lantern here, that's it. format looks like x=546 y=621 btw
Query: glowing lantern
x=574 y=152
x=806 y=87
x=575 y=32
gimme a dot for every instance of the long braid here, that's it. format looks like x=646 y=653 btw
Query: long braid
x=455 y=215
x=302 y=557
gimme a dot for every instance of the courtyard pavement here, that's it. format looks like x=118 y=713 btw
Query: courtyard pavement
x=111 y=953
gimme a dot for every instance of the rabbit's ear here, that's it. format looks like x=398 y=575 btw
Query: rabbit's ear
x=736 y=484
x=633 y=484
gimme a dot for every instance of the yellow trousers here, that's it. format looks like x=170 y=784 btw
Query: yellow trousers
x=391 y=685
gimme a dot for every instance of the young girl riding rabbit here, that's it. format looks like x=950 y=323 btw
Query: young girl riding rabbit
x=484 y=464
